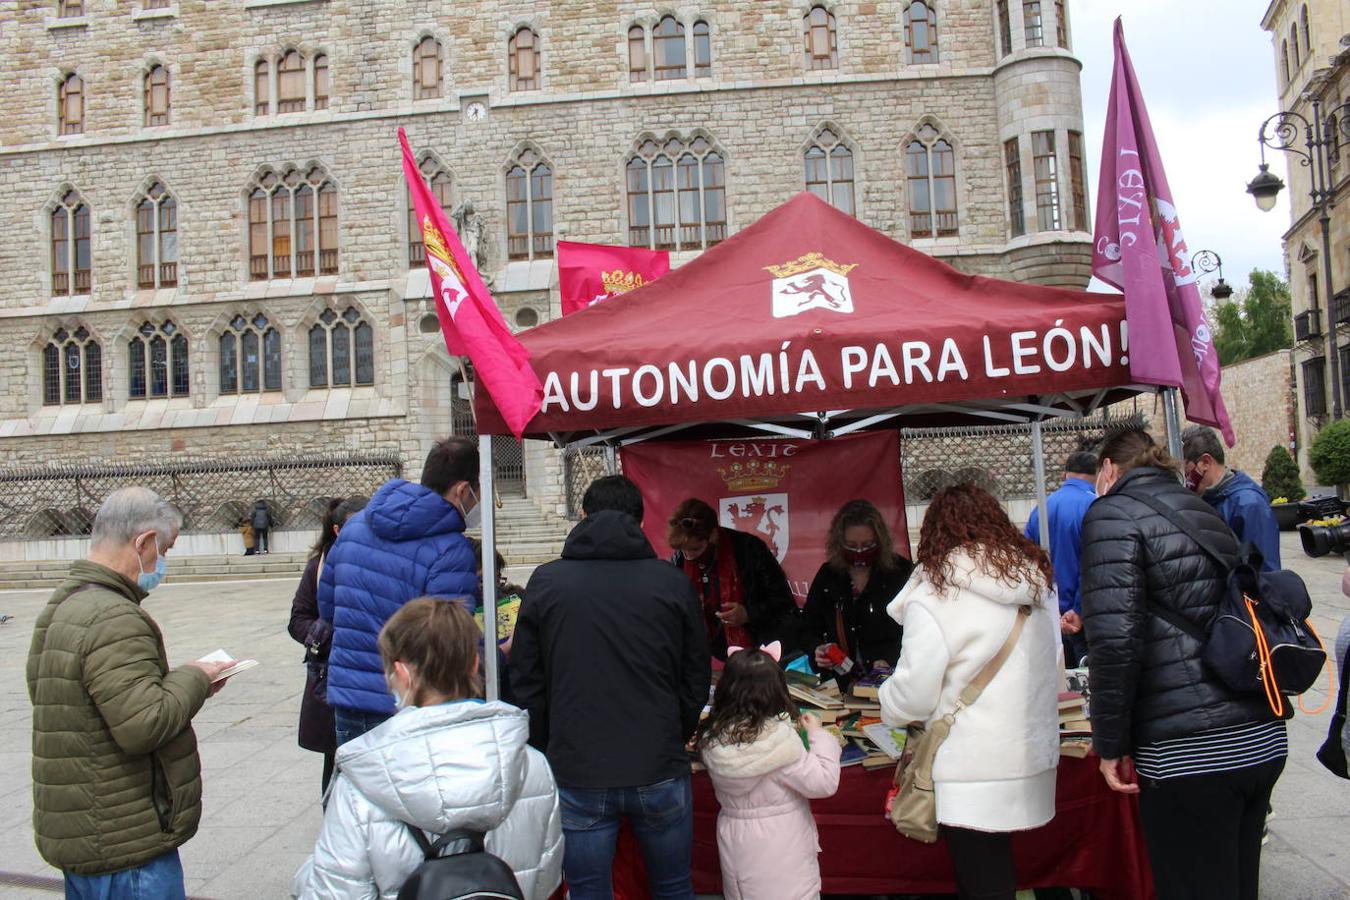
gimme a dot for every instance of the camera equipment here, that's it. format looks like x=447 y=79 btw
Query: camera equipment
x=1319 y=540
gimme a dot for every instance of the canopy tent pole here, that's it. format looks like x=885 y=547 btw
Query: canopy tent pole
x=1172 y=415
x=489 y=564
x=611 y=460
x=1038 y=466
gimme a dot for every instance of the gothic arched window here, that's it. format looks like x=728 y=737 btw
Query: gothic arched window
x=341 y=350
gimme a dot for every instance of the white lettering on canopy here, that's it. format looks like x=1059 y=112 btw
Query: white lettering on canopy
x=860 y=367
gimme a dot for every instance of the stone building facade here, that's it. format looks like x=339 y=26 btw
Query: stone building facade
x=1310 y=40
x=204 y=250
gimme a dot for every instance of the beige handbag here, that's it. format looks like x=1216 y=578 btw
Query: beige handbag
x=911 y=804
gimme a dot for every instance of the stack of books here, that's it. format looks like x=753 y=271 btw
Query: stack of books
x=855 y=721
x=1075 y=728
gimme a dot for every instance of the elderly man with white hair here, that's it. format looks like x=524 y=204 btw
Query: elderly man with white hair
x=116 y=779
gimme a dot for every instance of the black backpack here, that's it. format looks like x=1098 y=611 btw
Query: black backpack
x=457 y=867
x=1261 y=641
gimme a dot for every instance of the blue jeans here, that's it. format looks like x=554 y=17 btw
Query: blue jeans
x=662 y=815
x=159 y=879
x=350 y=724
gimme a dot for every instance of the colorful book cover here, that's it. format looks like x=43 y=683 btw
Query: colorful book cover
x=888 y=740
x=508 y=611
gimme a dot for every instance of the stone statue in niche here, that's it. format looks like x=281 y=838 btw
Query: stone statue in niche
x=469 y=225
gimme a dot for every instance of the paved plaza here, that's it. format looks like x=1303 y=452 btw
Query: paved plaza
x=261 y=807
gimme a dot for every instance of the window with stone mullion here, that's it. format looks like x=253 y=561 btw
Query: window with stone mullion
x=72 y=369
x=70 y=233
x=1046 y=169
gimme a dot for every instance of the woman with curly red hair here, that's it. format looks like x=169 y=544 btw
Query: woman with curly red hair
x=995 y=773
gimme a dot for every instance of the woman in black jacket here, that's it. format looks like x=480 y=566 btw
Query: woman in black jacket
x=316 y=716
x=1204 y=759
x=846 y=606
x=744 y=592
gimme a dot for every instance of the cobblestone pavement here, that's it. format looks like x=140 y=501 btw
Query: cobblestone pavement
x=261 y=809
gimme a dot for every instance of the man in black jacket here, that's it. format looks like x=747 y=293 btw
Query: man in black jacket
x=611 y=661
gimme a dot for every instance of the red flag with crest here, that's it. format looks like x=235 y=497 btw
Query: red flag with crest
x=591 y=273
x=470 y=321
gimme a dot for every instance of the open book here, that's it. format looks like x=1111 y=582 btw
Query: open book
x=222 y=656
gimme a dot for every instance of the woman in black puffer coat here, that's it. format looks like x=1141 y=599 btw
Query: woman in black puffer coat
x=1206 y=759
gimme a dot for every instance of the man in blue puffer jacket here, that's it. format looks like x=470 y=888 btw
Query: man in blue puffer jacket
x=1239 y=501
x=407 y=543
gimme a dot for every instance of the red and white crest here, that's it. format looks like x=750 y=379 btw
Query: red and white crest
x=811 y=282
x=763 y=515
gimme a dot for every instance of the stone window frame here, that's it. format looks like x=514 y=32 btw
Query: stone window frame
x=660 y=148
x=65 y=127
x=430 y=164
x=941 y=134
x=841 y=139
x=689 y=23
x=158 y=279
x=1075 y=149
x=143 y=332
x=1033 y=35
x=1299 y=57
x=1063 y=39
x=528 y=157
x=270 y=72
x=1303 y=30
x=1014 y=180
x=147 y=88
x=934 y=34
x=54 y=346
x=71 y=9
x=1054 y=188
x=1003 y=28
x=228 y=324
x=831 y=24
x=72 y=199
x=513 y=51
x=305 y=173
x=442 y=65
x=327 y=318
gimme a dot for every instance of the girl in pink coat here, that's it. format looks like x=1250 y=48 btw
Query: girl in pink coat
x=765 y=779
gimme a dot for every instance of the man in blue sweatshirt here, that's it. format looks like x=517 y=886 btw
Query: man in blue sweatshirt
x=1241 y=502
x=1067 y=507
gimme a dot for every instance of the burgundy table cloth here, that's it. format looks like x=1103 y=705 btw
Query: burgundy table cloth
x=1095 y=842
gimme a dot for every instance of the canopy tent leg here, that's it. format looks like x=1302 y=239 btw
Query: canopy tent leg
x=489 y=564
x=1038 y=466
x=1172 y=415
x=611 y=460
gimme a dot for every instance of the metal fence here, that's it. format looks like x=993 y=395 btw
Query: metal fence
x=580 y=468
x=213 y=497
x=996 y=457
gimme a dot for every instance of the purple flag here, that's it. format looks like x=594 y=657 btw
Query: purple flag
x=1138 y=249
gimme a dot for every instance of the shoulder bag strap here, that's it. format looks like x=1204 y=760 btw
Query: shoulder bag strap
x=1172 y=617
x=420 y=837
x=986 y=675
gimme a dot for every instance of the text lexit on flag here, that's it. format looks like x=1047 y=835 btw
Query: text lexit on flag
x=470 y=321
x=1139 y=249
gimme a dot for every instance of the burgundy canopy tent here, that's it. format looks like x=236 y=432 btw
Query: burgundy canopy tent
x=809 y=324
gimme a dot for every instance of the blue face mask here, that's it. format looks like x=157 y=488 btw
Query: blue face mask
x=148 y=581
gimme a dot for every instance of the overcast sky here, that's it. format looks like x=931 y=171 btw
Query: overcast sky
x=1208 y=77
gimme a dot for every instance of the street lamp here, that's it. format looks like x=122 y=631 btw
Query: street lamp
x=1281 y=132
x=1207 y=261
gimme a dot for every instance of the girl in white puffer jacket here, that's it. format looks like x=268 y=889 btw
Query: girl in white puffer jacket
x=445 y=761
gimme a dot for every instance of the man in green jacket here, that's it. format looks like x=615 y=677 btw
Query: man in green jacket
x=116 y=780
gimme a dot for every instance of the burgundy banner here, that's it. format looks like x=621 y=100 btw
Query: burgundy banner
x=784 y=491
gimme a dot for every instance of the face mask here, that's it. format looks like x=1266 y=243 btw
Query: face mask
x=474 y=517
x=400 y=700
x=862 y=557
x=1193 y=479
x=148 y=581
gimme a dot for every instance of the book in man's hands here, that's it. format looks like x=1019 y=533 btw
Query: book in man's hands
x=221 y=656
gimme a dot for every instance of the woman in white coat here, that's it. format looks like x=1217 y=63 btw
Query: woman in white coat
x=995 y=773
x=445 y=761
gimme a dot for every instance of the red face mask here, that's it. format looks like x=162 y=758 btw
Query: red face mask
x=862 y=557
x=1193 y=478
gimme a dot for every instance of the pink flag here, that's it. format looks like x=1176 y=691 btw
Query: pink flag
x=470 y=321
x=1138 y=248
x=591 y=273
